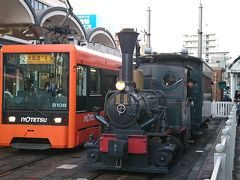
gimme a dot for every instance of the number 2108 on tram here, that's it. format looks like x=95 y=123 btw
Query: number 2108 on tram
x=48 y=92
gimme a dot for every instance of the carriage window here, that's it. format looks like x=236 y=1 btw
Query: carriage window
x=95 y=81
x=81 y=81
x=170 y=79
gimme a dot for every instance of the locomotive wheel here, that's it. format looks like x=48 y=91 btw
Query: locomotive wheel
x=185 y=140
x=163 y=159
x=179 y=146
x=93 y=155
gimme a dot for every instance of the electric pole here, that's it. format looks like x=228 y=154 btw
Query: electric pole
x=200 y=31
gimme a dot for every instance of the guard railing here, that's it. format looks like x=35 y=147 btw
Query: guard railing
x=224 y=156
x=221 y=109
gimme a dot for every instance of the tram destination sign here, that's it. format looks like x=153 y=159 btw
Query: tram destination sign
x=36 y=59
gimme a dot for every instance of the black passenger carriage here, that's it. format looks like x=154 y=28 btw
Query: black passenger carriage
x=170 y=73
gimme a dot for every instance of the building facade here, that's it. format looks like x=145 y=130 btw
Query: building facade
x=210 y=52
x=216 y=59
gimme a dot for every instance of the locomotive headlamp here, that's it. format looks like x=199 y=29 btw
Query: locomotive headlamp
x=11 y=119
x=57 y=119
x=120 y=85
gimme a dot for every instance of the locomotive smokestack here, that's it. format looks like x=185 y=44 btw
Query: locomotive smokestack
x=127 y=39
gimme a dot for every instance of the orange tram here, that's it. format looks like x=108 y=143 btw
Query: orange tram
x=48 y=92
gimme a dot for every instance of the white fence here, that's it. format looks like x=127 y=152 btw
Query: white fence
x=221 y=109
x=224 y=156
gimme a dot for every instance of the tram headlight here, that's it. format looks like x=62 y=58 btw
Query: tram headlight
x=11 y=119
x=57 y=119
x=120 y=85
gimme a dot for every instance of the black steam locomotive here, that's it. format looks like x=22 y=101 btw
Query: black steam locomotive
x=137 y=133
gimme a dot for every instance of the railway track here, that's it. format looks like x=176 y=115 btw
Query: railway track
x=69 y=164
x=12 y=160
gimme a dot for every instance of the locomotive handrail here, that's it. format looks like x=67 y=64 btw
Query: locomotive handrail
x=224 y=156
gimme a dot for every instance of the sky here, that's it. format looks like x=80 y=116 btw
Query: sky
x=170 y=20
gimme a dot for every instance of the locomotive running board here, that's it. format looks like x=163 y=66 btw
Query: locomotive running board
x=99 y=166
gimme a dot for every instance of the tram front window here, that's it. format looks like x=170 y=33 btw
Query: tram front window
x=35 y=81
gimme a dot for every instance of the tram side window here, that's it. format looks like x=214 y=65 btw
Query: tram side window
x=95 y=81
x=81 y=81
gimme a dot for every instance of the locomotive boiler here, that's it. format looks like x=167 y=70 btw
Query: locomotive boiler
x=135 y=133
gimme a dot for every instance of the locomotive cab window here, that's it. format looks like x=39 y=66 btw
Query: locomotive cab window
x=170 y=79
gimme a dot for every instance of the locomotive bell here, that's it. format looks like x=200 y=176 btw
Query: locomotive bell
x=127 y=39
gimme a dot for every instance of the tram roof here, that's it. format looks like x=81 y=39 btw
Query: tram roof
x=56 y=48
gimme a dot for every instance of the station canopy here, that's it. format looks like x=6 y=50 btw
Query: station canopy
x=59 y=21
x=235 y=65
x=101 y=35
x=19 y=19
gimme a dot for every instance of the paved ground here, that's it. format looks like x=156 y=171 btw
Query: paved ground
x=207 y=167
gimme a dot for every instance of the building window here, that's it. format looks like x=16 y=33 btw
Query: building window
x=37 y=5
x=33 y=3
